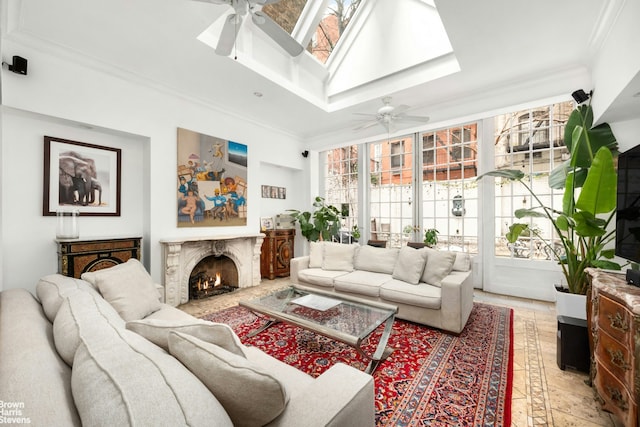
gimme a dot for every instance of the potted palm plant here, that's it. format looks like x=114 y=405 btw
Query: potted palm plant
x=589 y=181
x=321 y=224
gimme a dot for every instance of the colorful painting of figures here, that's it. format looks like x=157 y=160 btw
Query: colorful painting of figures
x=211 y=181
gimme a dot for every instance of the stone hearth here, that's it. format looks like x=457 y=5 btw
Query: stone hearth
x=182 y=254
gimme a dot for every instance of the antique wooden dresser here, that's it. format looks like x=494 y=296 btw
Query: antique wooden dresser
x=615 y=323
x=76 y=256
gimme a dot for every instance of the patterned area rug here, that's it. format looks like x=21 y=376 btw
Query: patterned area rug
x=431 y=378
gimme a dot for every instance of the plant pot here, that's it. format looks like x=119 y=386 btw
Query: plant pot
x=571 y=305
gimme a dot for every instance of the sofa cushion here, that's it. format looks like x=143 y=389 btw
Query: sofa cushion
x=377 y=260
x=52 y=290
x=409 y=265
x=128 y=287
x=361 y=282
x=77 y=309
x=421 y=295
x=462 y=262
x=439 y=265
x=315 y=254
x=338 y=256
x=31 y=370
x=250 y=395
x=157 y=331
x=319 y=277
x=121 y=379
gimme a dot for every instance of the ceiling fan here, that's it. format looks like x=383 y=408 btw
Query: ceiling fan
x=233 y=21
x=388 y=115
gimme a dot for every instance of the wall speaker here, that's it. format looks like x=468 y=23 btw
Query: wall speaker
x=305 y=153
x=19 y=65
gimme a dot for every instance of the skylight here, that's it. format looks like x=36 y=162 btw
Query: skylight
x=291 y=14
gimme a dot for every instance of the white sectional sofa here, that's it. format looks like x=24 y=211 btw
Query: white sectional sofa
x=429 y=286
x=107 y=352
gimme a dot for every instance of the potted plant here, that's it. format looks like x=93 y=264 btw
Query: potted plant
x=320 y=224
x=431 y=237
x=355 y=232
x=582 y=227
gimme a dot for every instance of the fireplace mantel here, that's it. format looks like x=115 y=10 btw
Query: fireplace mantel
x=181 y=254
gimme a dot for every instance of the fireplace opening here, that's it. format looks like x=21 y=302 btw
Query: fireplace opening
x=213 y=275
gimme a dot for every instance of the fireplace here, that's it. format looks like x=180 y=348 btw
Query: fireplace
x=213 y=275
x=181 y=256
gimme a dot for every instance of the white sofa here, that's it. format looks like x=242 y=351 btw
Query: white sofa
x=109 y=353
x=428 y=286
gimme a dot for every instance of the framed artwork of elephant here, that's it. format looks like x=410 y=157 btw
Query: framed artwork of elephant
x=81 y=176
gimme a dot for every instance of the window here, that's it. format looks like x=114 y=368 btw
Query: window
x=449 y=191
x=532 y=141
x=397 y=155
x=341 y=187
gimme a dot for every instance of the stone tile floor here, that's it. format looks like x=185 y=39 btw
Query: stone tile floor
x=543 y=395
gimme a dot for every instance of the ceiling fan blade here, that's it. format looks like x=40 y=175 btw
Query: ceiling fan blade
x=276 y=32
x=366 y=114
x=228 y=34
x=265 y=2
x=404 y=117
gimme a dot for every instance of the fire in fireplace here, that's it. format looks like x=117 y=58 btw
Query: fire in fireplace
x=213 y=275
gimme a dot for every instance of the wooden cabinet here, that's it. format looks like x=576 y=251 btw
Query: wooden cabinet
x=615 y=322
x=276 y=254
x=76 y=256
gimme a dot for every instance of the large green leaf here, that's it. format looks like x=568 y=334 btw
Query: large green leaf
x=582 y=140
x=521 y=213
x=587 y=225
x=598 y=194
x=513 y=174
x=515 y=231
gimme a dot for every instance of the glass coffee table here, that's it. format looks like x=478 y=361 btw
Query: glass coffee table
x=349 y=320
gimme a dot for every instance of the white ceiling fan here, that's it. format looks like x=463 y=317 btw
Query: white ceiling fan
x=388 y=115
x=233 y=22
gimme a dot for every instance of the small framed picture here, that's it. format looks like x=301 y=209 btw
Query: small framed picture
x=266 y=223
x=265 y=192
x=282 y=193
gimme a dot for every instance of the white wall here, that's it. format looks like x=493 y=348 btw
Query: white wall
x=28 y=246
x=59 y=87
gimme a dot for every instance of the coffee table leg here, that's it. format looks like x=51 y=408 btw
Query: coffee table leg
x=382 y=351
x=262 y=328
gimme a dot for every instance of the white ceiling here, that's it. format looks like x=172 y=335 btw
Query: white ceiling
x=510 y=52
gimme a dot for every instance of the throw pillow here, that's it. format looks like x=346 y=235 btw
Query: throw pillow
x=79 y=311
x=250 y=395
x=157 y=331
x=462 y=262
x=439 y=265
x=128 y=287
x=409 y=265
x=338 y=256
x=315 y=254
x=377 y=260
x=54 y=288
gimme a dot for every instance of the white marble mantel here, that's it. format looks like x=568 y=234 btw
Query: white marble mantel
x=182 y=254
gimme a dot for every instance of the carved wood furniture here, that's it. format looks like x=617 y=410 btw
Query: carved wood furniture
x=77 y=256
x=277 y=251
x=615 y=323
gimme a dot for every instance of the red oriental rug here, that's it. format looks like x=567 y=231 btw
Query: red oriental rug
x=431 y=378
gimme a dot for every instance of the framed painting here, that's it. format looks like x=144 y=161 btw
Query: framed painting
x=211 y=181
x=82 y=176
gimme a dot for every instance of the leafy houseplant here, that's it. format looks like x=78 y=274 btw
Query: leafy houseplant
x=582 y=226
x=431 y=237
x=320 y=224
x=355 y=232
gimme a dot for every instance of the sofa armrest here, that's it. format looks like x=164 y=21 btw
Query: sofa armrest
x=341 y=396
x=457 y=300
x=296 y=265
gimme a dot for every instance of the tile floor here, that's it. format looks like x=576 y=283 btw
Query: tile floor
x=543 y=395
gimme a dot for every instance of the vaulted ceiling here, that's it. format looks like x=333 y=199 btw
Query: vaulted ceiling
x=508 y=52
